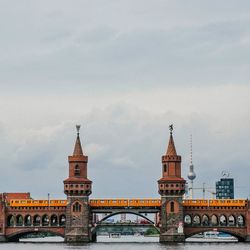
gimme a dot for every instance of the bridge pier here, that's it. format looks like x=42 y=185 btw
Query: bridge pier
x=172 y=237
x=171 y=188
x=3 y=238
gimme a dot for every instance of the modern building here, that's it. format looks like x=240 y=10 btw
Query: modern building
x=225 y=188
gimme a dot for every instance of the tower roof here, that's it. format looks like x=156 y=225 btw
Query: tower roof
x=78 y=146
x=171 y=147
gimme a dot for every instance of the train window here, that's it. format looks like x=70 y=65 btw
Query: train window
x=102 y=202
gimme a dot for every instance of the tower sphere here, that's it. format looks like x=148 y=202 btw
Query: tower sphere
x=191 y=173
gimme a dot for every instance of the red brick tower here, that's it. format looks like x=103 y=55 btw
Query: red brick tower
x=171 y=188
x=77 y=187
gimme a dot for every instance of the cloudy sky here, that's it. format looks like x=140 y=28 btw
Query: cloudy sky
x=125 y=70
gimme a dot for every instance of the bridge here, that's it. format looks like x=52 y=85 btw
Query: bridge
x=75 y=218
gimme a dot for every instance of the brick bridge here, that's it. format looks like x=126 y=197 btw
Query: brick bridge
x=74 y=218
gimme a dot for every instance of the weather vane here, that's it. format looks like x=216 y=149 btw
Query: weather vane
x=78 y=128
x=171 y=128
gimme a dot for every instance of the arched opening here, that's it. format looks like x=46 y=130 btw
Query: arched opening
x=37 y=220
x=77 y=170
x=45 y=220
x=41 y=234
x=223 y=220
x=62 y=220
x=205 y=220
x=187 y=219
x=196 y=220
x=77 y=207
x=213 y=236
x=214 y=220
x=172 y=206
x=10 y=221
x=128 y=225
x=231 y=221
x=19 y=220
x=240 y=220
x=27 y=220
x=53 y=220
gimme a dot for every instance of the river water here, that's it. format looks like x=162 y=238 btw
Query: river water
x=104 y=245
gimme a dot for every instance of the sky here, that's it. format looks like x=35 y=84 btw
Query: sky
x=124 y=70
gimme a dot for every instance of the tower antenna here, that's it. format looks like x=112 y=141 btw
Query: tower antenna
x=191 y=173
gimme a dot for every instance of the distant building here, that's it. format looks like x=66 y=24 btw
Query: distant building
x=225 y=188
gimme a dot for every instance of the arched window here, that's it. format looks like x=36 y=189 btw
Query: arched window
x=45 y=220
x=77 y=170
x=36 y=220
x=223 y=220
x=214 y=220
x=77 y=207
x=165 y=168
x=62 y=220
x=187 y=219
x=231 y=220
x=171 y=206
x=10 y=221
x=27 y=220
x=240 y=220
x=196 y=220
x=205 y=220
x=19 y=220
x=53 y=220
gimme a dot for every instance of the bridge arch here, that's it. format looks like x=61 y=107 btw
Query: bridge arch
x=22 y=232
x=237 y=235
x=94 y=229
x=126 y=212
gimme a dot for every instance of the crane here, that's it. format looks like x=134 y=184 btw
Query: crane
x=204 y=190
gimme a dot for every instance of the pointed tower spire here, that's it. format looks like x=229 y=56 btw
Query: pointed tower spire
x=171 y=147
x=78 y=146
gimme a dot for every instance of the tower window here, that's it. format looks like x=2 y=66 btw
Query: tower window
x=165 y=168
x=77 y=170
x=77 y=207
x=171 y=206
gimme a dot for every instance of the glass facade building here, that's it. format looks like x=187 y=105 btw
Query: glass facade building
x=225 y=188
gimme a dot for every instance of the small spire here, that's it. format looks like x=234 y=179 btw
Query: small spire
x=171 y=147
x=78 y=146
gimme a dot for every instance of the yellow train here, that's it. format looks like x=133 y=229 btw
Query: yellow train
x=215 y=203
x=125 y=203
x=129 y=203
x=37 y=203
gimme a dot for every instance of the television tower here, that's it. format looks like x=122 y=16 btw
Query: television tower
x=191 y=174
